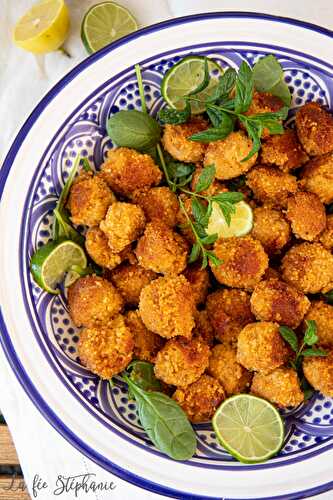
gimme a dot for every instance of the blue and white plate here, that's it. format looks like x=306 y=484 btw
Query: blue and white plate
x=37 y=334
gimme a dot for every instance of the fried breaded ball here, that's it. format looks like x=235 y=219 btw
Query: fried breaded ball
x=158 y=203
x=89 y=199
x=227 y=155
x=274 y=300
x=200 y=399
x=146 y=343
x=124 y=222
x=223 y=365
x=214 y=188
x=199 y=281
x=326 y=238
x=130 y=279
x=264 y=102
x=203 y=327
x=106 y=350
x=175 y=140
x=92 y=300
x=322 y=314
x=126 y=170
x=271 y=229
x=317 y=177
x=244 y=262
x=167 y=307
x=314 y=127
x=280 y=387
x=306 y=214
x=181 y=361
x=283 y=151
x=228 y=311
x=161 y=249
x=308 y=267
x=319 y=373
x=271 y=186
x=98 y=248
x=261 y=348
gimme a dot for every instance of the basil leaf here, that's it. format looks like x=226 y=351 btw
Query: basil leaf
x=329 y=297
x=230 y=196
x=198 y=210
x=282 y=91
x=289 y=336
x=195 y=253
x=175 y=116
x=254 y=130
x=244 y=88
x=310 y=336
x=212 y=134
x=142 y=374
x=177 y=169
x=134 y=129
x=64 y=229
x=224 y=87
x=314 y=352
x=267 y=72
x=165 y=423
x=205 y=179
x=204 y=83
x=213 y=258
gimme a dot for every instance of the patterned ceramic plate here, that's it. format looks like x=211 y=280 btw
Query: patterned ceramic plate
x=37 y=335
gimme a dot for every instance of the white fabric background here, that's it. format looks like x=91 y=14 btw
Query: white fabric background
x=23 y=81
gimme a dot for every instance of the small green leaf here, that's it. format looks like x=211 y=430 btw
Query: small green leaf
x=175 y=116
x=204 y=262
x=244 y=88
x=205 y=179
x=212 y=134
x=205 y=81
x=310 y=336
x=214 y=259
x=306 y=388
x=142 y=374
x=195 y=253
x=210 y=239
x=314 y=352
x=229 y=196
x=134 y=129
x=254 y=130
x=228 y=209
x=282 y=91
x=281 y=114
x=220 y=119
x=267 y=72
x=290 y=337
x=274 y=127
x=224 y=87
x=198 y=210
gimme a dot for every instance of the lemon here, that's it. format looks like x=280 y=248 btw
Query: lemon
x=43 y=28
x=241 y=221
x=250 y=428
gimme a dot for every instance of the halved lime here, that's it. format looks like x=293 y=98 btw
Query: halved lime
x=250 y=428
x=184 y=77
x=51 y=262
x=104 y=23
x=241 y=221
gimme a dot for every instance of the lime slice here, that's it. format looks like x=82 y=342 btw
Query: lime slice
x=250 y=428
x=51 y=262
x=43 y=28
x=104 y=23
x=184 y=77
x=241 y=221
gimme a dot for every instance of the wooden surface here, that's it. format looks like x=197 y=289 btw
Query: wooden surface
x=12 y=486
x=8 y=454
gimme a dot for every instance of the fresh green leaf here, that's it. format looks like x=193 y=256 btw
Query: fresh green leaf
x=290 y=337
x=165 y=422
x=254 y=131
x=134 y=129
x=65 y=229
x=282 y=91
x=205 y=179
x=205 y=81
x=86 y=165
x=212 y=134
x=200 y=229
x=198 y=210
x=175 y=116
x=177 y=169
x=307 y=389
x=204 y=262
x=210 y=239
x=244 y=88
x=229 y=196
x=226 y=84
x=314 y=352
x=310 y=336
x=274 y=127
x=195 y=253
x=213 y=258
x=281 y=114
x=267 y=72
x=228 y=209
x=220 y=119
x=142 y=374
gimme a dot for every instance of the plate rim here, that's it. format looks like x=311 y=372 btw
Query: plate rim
x=7 y=345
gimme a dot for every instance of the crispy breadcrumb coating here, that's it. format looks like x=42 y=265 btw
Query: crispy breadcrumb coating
x=326 y=238
x=214 y=188
x=319 y=373
x=264 y=102
x=161 y=249
x=199 y=281
x=98 y=248
x=130 y=279
x=271 y=229
x=167 y=307
x=124 y=223
x=158 y=203
x=274 y=300
x=317 y=177
x=322 y=314
x=203 y=327
x=223 y=365
x=307 y=216
x=146 y=343
x=200 y=399
x=283 y=151
x=175 y=140
x=244 y=262
x=181 y=361
x=271 y=186
x=261 y=348
x=314 y=127
x=106 y=350
x=280 y=387
x=92 y=300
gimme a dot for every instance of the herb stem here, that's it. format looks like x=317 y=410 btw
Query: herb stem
x=140 y=85
x=165 y=170
x=191 y=225
x=191 y=193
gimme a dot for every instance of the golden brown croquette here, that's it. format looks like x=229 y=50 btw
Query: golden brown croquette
x=167 y=306
x=158 y=203
x=106 y=350
x=283 y=151
x=274 y=300
x=264 y=102
x=181 y=361
x=280 y=387
x=319 y=373
x=326 y=238
x=200 y=399
x=199 y=281
x=223 y=365
x=130 y=279
x=314 y=127
x=124 y=223
x=322 y=314
x=126 y=170
x=261 y=348
x=271 y=186
x=317 y=177
x=92 y=300
x=203 y=327
x=244 y=262
x=175 y=140
x=146 y=343
x=161 y=249
x=306 y=214
x=98 y=248
x=271 y=229
x=214 y=188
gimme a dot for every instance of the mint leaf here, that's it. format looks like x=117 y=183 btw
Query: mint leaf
x=310 y=336
x=226 y=84
x=195 y=253
x=229 y=196
x=244 y=88
x=213 y=134
x=289 y=336
x=254 y=130
x=205 y=179
x=175 y=116
x=314 y=352
x=213 y=258
x=198 y=210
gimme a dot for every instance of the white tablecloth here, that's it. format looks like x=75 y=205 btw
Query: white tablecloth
x=23 y=81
